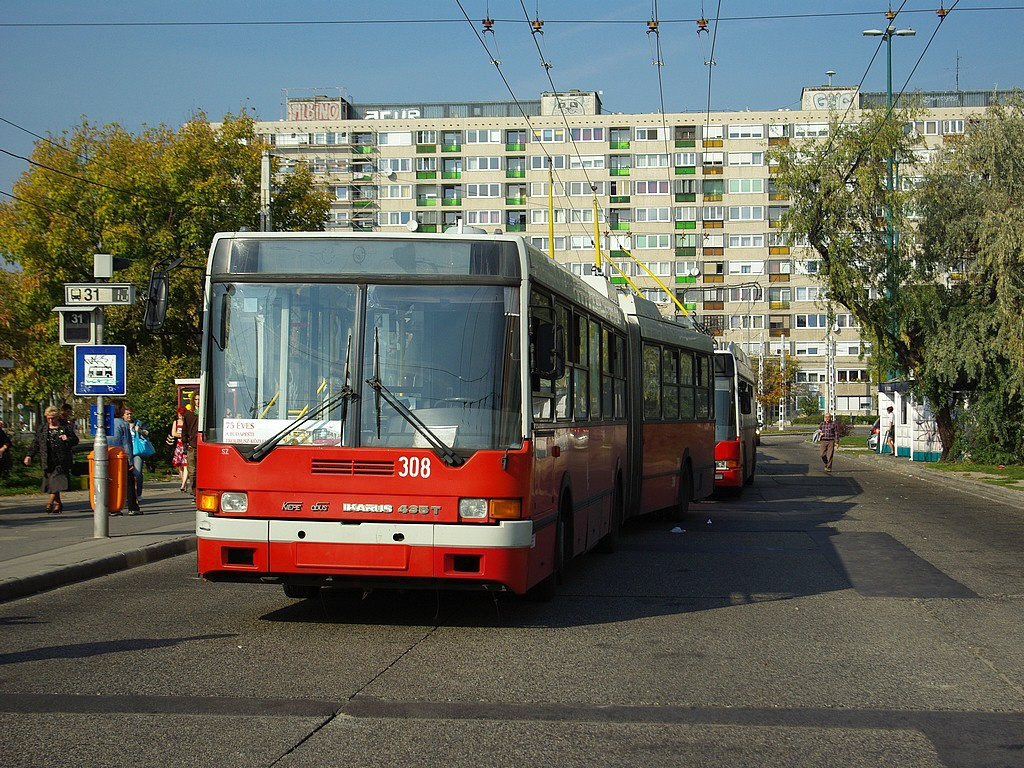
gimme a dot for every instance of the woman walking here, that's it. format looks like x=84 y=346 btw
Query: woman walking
x=179 y=459
x=53 y=442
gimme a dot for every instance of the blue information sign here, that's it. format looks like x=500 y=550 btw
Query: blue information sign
x=108 y=419
x=100 y=370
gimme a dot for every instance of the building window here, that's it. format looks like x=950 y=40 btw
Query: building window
x=650 y=161
x=483 y=137
x=746 y=241
x=548 y=135
x=652 y=187
x=540 y=162
x=586 y=161
x=746 y=158
x=648 y=134
x=653 y=241
x=746 y=131
x=746 y=213
x=746 y=186
x=483 y=163
x=587 y=134
x=652 y=214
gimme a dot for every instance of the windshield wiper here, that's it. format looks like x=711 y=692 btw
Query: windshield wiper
x=442 y=449
x=343 y=396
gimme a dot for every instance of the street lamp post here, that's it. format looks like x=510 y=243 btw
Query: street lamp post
x=890 y=234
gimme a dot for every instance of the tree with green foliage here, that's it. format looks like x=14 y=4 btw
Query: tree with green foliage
x=861 y=231
x=151 y=197
x=971 y=204
x=774 y=384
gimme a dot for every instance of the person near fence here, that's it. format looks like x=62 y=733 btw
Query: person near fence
x=190 y=437
x=890 y=431
x=829 y=440
x=122 y=438
x=53 y=442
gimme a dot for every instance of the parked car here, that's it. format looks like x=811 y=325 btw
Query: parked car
x=873 y=437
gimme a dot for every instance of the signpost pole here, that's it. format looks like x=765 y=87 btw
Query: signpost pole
x=100 y=517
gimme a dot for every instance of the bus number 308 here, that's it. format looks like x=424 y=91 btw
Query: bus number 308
x=414 y=466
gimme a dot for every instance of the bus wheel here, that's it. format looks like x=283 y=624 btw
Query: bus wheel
x=546 y=590
x=301 y=591
x=610 y=540
x=682 y=508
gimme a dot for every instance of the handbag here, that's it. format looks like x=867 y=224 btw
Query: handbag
x=142 y=446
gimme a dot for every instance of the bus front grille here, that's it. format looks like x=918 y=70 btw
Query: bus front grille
x=353 y=467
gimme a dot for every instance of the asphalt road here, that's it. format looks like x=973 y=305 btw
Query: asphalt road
x=863 y=618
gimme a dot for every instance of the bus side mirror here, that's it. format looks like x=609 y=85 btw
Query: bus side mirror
x=156 y=301
x=548 y=352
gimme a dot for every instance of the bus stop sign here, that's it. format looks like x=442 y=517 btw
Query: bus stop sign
x=100 y=370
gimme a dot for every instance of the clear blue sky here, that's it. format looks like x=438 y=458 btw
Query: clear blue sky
x=146 y=63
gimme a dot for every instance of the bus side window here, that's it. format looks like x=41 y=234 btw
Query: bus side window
x=745 y=399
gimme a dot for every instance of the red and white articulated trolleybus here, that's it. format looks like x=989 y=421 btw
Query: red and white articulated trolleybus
x=735 y=419
x=417 y=410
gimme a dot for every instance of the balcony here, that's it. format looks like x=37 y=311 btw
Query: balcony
x=426 y=174
x=426 y=149
x=621 y=226
x=686 y=170
x=618 y=145
x=778 y=250
x=778 y=141
x=427 y=202
x=515 y=173
x=451 y=174
x=451 y=201
x=515 y=147
x=713 y=250
x=714 y=279
x=685 y=143
x=713 y=197
x=686 y=250
x=686 y=225
x=778 y=278
x=363 y=203
x=714 y=305
x=619 y=199
x=777 y=332
x=775 y=224
x=515 y=201
x=714 y=224
x=778 y=304
x=713 y=170
x=686 y=197
x=515 y=228
x=618 y=171
x=451 y=147
x=427 y=228
x=686 y=279
x=362 y=149
x=713 y=142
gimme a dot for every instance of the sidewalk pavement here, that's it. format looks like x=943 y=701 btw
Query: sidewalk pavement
x=40 y=551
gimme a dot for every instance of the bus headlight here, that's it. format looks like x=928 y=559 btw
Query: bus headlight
x=721 y=464
x=234 y=501
x=473 y=509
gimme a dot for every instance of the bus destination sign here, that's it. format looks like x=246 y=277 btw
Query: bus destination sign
x=96 y=294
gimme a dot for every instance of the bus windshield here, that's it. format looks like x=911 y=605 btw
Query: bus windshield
x=280 y=353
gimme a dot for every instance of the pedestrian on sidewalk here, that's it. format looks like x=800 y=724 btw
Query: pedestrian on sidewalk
x=890 y=431
x=5 y=451
x=137 y=458
x=190 y=438
x=122 y=438
x=179 y=458
x=829 y=440
x=53 y=442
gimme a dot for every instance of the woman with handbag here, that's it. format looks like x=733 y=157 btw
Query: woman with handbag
x=141 y=446
x=179 y=459
x=53 y=442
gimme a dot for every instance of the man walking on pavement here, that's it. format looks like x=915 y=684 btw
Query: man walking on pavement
x=829 y=440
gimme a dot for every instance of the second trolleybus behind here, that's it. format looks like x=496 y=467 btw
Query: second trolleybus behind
x=735 y=419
